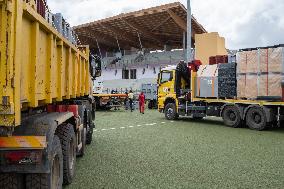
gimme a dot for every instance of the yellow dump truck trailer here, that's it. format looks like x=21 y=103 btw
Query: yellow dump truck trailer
x=46 y=99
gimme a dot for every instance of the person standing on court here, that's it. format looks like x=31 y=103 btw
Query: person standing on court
x=142 y=103
x=130 y=98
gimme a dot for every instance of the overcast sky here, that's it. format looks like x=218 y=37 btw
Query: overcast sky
x=244 y=23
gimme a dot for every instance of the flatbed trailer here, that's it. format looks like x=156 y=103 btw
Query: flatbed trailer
x=256 y=114
x=150 y=92
x=109 y=101
x=46 y=106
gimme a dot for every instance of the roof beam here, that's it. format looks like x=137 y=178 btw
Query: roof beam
x=103 y=37
x=92 y=39
x=125 y=42
x=142 y=31
x=121 y=35
x=178 y=20
x=168 y=34
x=159 y=25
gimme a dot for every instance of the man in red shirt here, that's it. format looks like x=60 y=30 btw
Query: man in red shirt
x=142 y=102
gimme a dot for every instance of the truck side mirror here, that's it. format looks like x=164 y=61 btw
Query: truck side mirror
x=95 y=66
x=158 y=80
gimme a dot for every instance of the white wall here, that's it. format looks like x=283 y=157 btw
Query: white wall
x=109 y=73
x=115 y=81
x=149 y=72
x=112 y=81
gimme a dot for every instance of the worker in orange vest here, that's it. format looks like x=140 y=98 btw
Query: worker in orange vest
x=142 y=102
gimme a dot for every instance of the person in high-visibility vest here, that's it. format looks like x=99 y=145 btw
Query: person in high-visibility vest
x=131 y=98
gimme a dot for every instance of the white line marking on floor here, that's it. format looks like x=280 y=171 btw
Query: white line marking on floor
x=172 y=121
x=147 y=124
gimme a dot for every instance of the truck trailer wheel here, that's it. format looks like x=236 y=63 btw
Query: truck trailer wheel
x=150 y=105
x=89 y=136
x=197 y=118
x=231 y=116
x=11 y=181
x=54 y=179
x=81 y=153
x=170 y=111
x=67 y=137
x=256 y=119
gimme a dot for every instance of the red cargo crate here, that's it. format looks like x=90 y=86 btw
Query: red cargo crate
x=41 y=7
x=222 y=59
x=194 y=65
x=212 y=60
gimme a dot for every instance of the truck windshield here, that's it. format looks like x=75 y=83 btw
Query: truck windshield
x=166 y=76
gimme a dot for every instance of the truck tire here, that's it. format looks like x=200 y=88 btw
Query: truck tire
x=256 y=119
x=195 y=118
x=90 y=131
x=89 y=136
x=232 y=116
x=81 y=153
x=54 y=179
x=150 y=105
x=170 y=111
x=67 y=138
x=11 y=181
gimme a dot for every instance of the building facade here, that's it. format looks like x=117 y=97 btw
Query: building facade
x=129 y=72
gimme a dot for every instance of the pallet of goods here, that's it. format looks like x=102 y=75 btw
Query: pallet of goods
x=260 y=73
x=216 y=81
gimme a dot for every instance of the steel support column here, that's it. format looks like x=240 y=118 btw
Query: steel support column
x=188 y=51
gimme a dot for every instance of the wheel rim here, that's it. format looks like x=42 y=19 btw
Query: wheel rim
x=55 y=172
x=170 y=112
x=232 y=115
x=71 y=155
x=256 y=118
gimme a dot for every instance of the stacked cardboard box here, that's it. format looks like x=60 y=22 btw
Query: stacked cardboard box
x=259 y=72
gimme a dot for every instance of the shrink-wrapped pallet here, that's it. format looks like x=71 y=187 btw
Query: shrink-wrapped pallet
x=241 y=83
x=247 y=86
x=271 y=60
x=247 y=61
x=251 y=86
x=260 y=73
x=270 y=85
